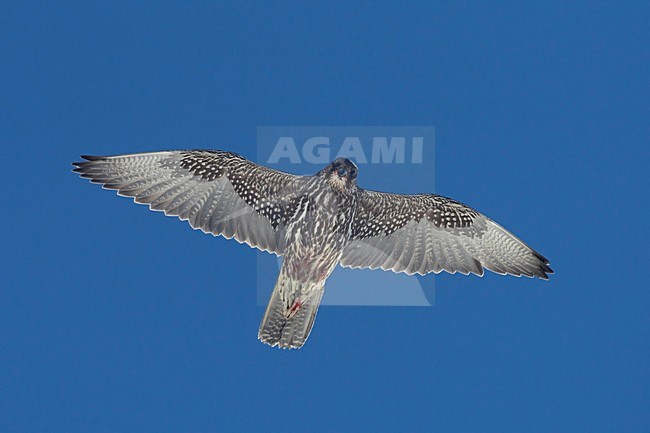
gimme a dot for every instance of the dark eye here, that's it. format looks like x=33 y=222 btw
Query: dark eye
x=341 y=171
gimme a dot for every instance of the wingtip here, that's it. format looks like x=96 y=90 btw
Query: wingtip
x=91 y=157
x=81 y=166
x=540 y=271
x=544 y=266
x=544 y=272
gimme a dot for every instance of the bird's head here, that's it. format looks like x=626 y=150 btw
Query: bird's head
x=341 y=173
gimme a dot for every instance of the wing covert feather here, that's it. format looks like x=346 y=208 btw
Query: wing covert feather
x=419 y=234
x=217 y=192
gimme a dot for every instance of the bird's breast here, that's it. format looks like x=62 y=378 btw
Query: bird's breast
x=317 y=233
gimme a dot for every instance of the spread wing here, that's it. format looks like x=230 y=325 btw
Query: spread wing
x=418 y=234
x=215 y=191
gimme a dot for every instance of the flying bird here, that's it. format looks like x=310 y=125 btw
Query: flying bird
x=313 y=222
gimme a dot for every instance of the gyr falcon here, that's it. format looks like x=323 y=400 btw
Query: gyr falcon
x=314 y=222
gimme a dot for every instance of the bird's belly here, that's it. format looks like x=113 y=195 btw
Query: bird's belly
x=314 y=246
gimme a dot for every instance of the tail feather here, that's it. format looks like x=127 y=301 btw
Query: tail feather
x=291 y=313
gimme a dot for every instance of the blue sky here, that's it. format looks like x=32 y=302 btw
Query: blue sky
x=114 y=318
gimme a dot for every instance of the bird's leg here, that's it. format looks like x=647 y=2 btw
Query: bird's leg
x=294 y=309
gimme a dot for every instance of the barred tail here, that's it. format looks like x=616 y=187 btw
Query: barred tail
x=291 y=312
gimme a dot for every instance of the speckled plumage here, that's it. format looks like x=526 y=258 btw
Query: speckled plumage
x=314 y=222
